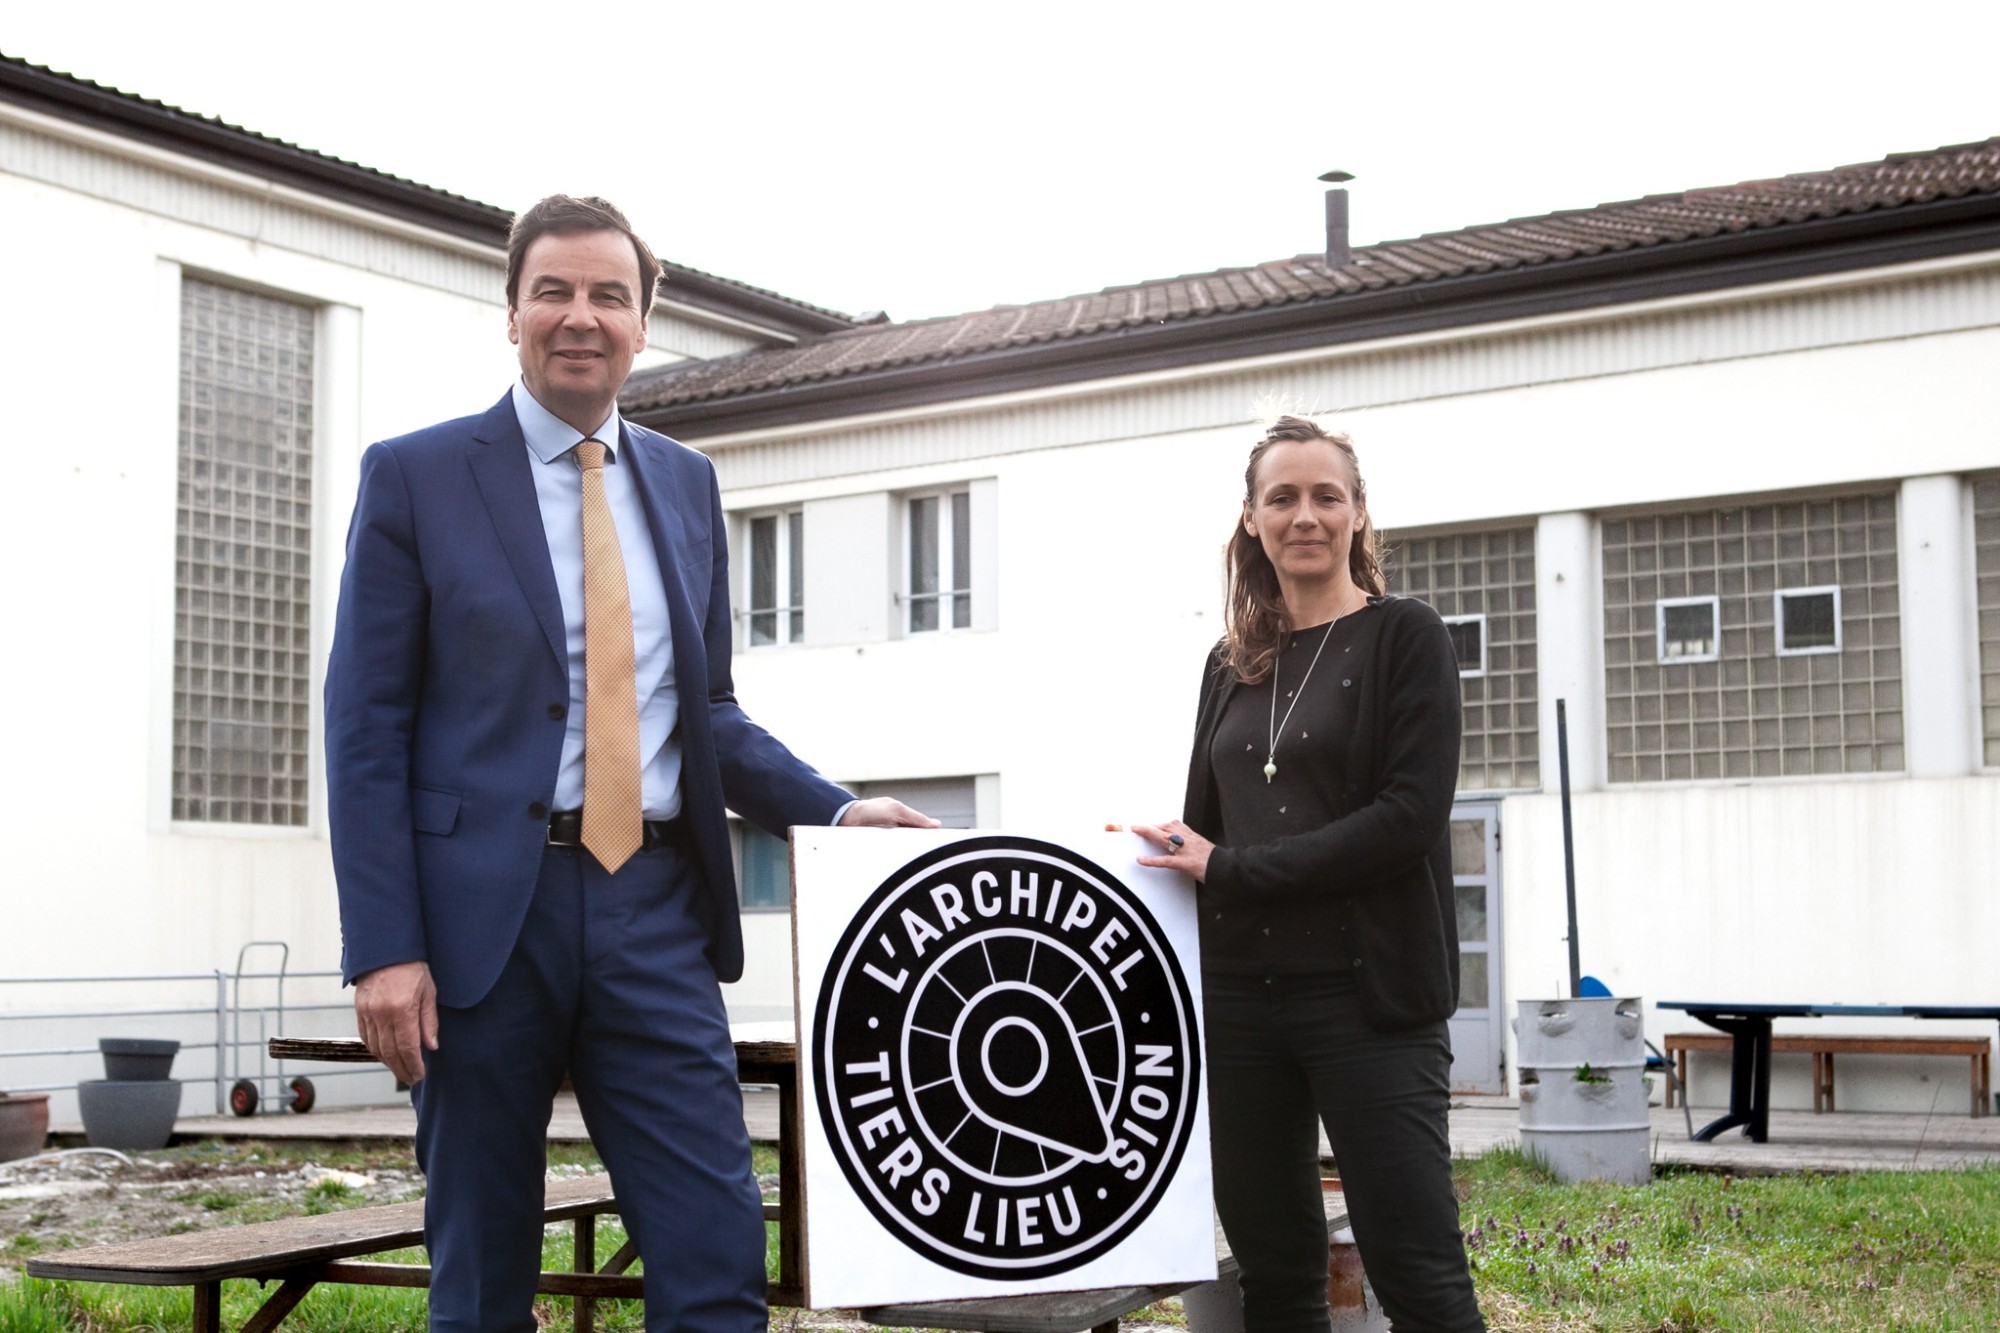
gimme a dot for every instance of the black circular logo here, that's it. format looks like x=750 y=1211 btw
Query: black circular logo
x=1006 y=1058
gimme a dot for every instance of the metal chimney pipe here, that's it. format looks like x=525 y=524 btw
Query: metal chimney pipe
x=1339 y=253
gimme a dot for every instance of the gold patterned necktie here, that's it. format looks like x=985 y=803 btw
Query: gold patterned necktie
x=612 y=828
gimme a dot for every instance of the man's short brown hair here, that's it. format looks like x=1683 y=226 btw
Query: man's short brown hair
x=562 y=215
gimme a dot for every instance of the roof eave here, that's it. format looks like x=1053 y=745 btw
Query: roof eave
x=225 y=146
x=1757 y=256
x=747 y=305
x=231 y=148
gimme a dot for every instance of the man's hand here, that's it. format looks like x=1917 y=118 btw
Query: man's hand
x=396 y=1010
x=885 y=812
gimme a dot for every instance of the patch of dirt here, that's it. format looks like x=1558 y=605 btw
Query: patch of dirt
x=92 y=1197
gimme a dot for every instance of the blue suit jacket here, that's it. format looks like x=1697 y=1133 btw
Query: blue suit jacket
x=447 y=689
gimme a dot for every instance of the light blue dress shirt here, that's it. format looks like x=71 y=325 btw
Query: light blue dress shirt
x=559 y=489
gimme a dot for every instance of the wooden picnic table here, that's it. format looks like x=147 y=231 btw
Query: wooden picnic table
x=302 y=1252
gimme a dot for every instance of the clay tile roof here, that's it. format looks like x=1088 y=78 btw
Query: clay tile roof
x=1305 y=280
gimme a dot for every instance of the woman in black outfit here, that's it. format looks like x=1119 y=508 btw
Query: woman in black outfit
x=1318 y=806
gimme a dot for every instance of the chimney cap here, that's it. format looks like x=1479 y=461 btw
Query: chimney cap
x=1337 y=177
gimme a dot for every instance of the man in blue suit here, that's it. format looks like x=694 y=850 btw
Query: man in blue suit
x=498 y=930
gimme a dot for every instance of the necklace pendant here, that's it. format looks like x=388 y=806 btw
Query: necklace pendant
x=1270 y=770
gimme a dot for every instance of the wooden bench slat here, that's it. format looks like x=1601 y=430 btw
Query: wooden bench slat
x=1823 y=1049
x=259 y=1249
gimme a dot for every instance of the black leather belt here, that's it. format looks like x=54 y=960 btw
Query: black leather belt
x=566 y=830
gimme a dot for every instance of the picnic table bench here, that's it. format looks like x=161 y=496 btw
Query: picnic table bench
x=1751 y=1043
x=1823 y=1049
x=300 y=1253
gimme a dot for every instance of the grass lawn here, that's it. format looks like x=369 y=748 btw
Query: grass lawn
x=1691 y=1253
x=1695 y=1252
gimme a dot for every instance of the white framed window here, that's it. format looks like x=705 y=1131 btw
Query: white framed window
x=938 y=562
x=1468 y=641
x=1689 y=629
x=776 y=604
x=1808 y=620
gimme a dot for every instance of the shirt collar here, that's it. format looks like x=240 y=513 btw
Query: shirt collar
x=550 y=437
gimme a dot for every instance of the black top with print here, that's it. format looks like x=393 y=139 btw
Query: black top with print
x=1302 y=934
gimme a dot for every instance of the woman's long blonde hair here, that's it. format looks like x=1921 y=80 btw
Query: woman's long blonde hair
x=1254 y=608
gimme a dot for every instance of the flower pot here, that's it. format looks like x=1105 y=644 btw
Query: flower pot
x=1583 y=1092
x=137 y=1059
x=24 y=1124
x=121 y=1113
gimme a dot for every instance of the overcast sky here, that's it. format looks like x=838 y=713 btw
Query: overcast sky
x=931 y=158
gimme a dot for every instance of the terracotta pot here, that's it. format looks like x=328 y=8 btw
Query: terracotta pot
x=24 y=1124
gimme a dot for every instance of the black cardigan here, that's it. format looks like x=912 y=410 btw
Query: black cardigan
x=1388 y=850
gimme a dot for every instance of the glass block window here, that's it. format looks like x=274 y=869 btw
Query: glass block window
x=777 y=598
x=1780 y=692
x=1986 y=575
x=1483 y=584
x=243 y=558
x=940 y=566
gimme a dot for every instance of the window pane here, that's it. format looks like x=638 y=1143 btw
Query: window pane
x=1466 y=641
x=1808 y=621
x=1468 y=846
x=763 y=562
x=961 y=611
x=1471 y=913
x=767 y=869
x=961 y=542
x=924 y=545
x=1473 y=986
x=763 y=627
x=924 y=563
x=795 y=524
x=1687 y=630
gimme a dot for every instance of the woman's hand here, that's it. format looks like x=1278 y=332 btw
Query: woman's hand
x=1181 y=848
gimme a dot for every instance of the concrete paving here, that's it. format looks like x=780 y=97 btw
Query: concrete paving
x=1799 y=1140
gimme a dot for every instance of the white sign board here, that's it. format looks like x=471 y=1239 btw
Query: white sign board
x=1000 y=1059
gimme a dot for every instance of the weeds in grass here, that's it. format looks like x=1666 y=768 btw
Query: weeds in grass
x=1697 y=1251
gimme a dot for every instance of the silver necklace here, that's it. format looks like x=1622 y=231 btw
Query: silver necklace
x=1277 y=727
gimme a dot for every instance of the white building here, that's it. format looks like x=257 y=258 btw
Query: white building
x=1718 y=471
x=207 y=327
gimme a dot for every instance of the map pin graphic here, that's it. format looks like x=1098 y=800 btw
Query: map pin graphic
x=1020 y=1065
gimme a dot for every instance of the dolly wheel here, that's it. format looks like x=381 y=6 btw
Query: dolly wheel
x=302 y=1095
x=243 y=1097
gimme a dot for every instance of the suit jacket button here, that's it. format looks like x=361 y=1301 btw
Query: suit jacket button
x=558 y=712
x=536 y=810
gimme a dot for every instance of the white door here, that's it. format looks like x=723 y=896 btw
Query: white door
x=1478 y=1048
